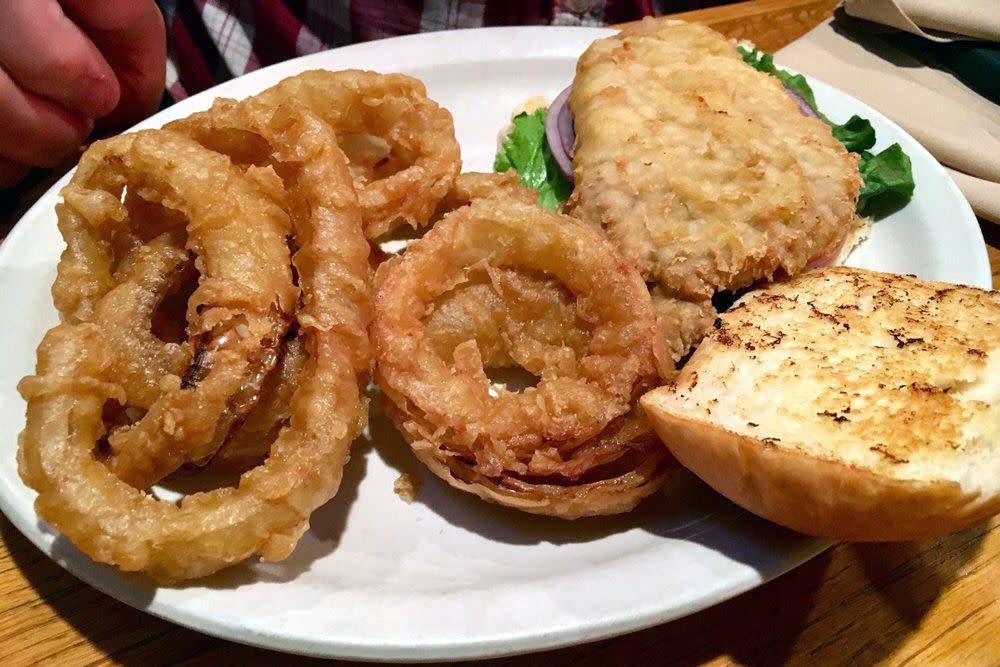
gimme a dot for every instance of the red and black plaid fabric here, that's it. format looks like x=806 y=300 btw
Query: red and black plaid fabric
x=214 y=40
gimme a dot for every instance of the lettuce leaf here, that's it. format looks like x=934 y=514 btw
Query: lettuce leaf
x=857 y=134
x=526 y=151
x=888 y=176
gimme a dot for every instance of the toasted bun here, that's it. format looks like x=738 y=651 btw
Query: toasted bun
x=846 y=404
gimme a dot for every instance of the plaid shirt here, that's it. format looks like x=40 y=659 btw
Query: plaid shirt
x=214 y=40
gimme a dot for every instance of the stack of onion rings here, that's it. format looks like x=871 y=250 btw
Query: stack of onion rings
x=501 y=283
x=235 y=317
x=291 y=141
x=139 y=209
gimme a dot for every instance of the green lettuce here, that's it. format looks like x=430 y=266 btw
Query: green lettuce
x=526 y=151
x=857 y=134
x=888 y=176
x=888 y=180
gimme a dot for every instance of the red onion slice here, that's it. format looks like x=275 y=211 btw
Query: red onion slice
x=560 y=135
x=803 y=105
x=830 y=258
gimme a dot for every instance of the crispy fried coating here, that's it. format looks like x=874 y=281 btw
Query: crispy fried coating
x=311 y=419
x=241 y=305
x=288 y=151
x=682 y=323
x=472 y=185
x=701 y=169
x=497 y=284
x=401 y=144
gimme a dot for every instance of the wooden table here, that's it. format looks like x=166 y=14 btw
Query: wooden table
x=935 y=602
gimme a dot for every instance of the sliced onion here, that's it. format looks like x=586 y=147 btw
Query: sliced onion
x=830 y=258
x=803 y=105
x=560 y=134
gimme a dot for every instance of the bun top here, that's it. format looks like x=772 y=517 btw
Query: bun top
x=886 y=373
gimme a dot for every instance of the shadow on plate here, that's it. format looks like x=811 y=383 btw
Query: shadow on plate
x=819 y=609
x=813 y=610
x=493 y=522
x=686 y=509
x=327 y=526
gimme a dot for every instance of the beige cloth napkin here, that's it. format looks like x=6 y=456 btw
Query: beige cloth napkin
x=959 y=19
x=959 y=127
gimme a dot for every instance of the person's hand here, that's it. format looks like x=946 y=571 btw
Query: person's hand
x=66 y=64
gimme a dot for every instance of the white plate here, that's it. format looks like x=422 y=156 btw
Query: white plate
x=450 y=576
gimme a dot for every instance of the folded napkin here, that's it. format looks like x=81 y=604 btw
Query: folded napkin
x=956 y=124
x=939 y=20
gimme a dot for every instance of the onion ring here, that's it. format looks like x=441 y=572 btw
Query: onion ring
x=535 y=450
x=615 y=488
x=516 y=319
x=467 y=187
x=268 y=511
x=249 y=444
x=297 y=146
x=126 y=312
x=473 y=185
x=241 y=306
x=401 y=143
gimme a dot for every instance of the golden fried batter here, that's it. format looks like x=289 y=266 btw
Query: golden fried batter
x=701 y=169
x=682 y=323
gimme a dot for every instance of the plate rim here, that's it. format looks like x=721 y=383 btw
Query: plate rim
x=127 y=589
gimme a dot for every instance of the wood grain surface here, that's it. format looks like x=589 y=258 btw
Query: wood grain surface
x=770 y=24
x=929 y=603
